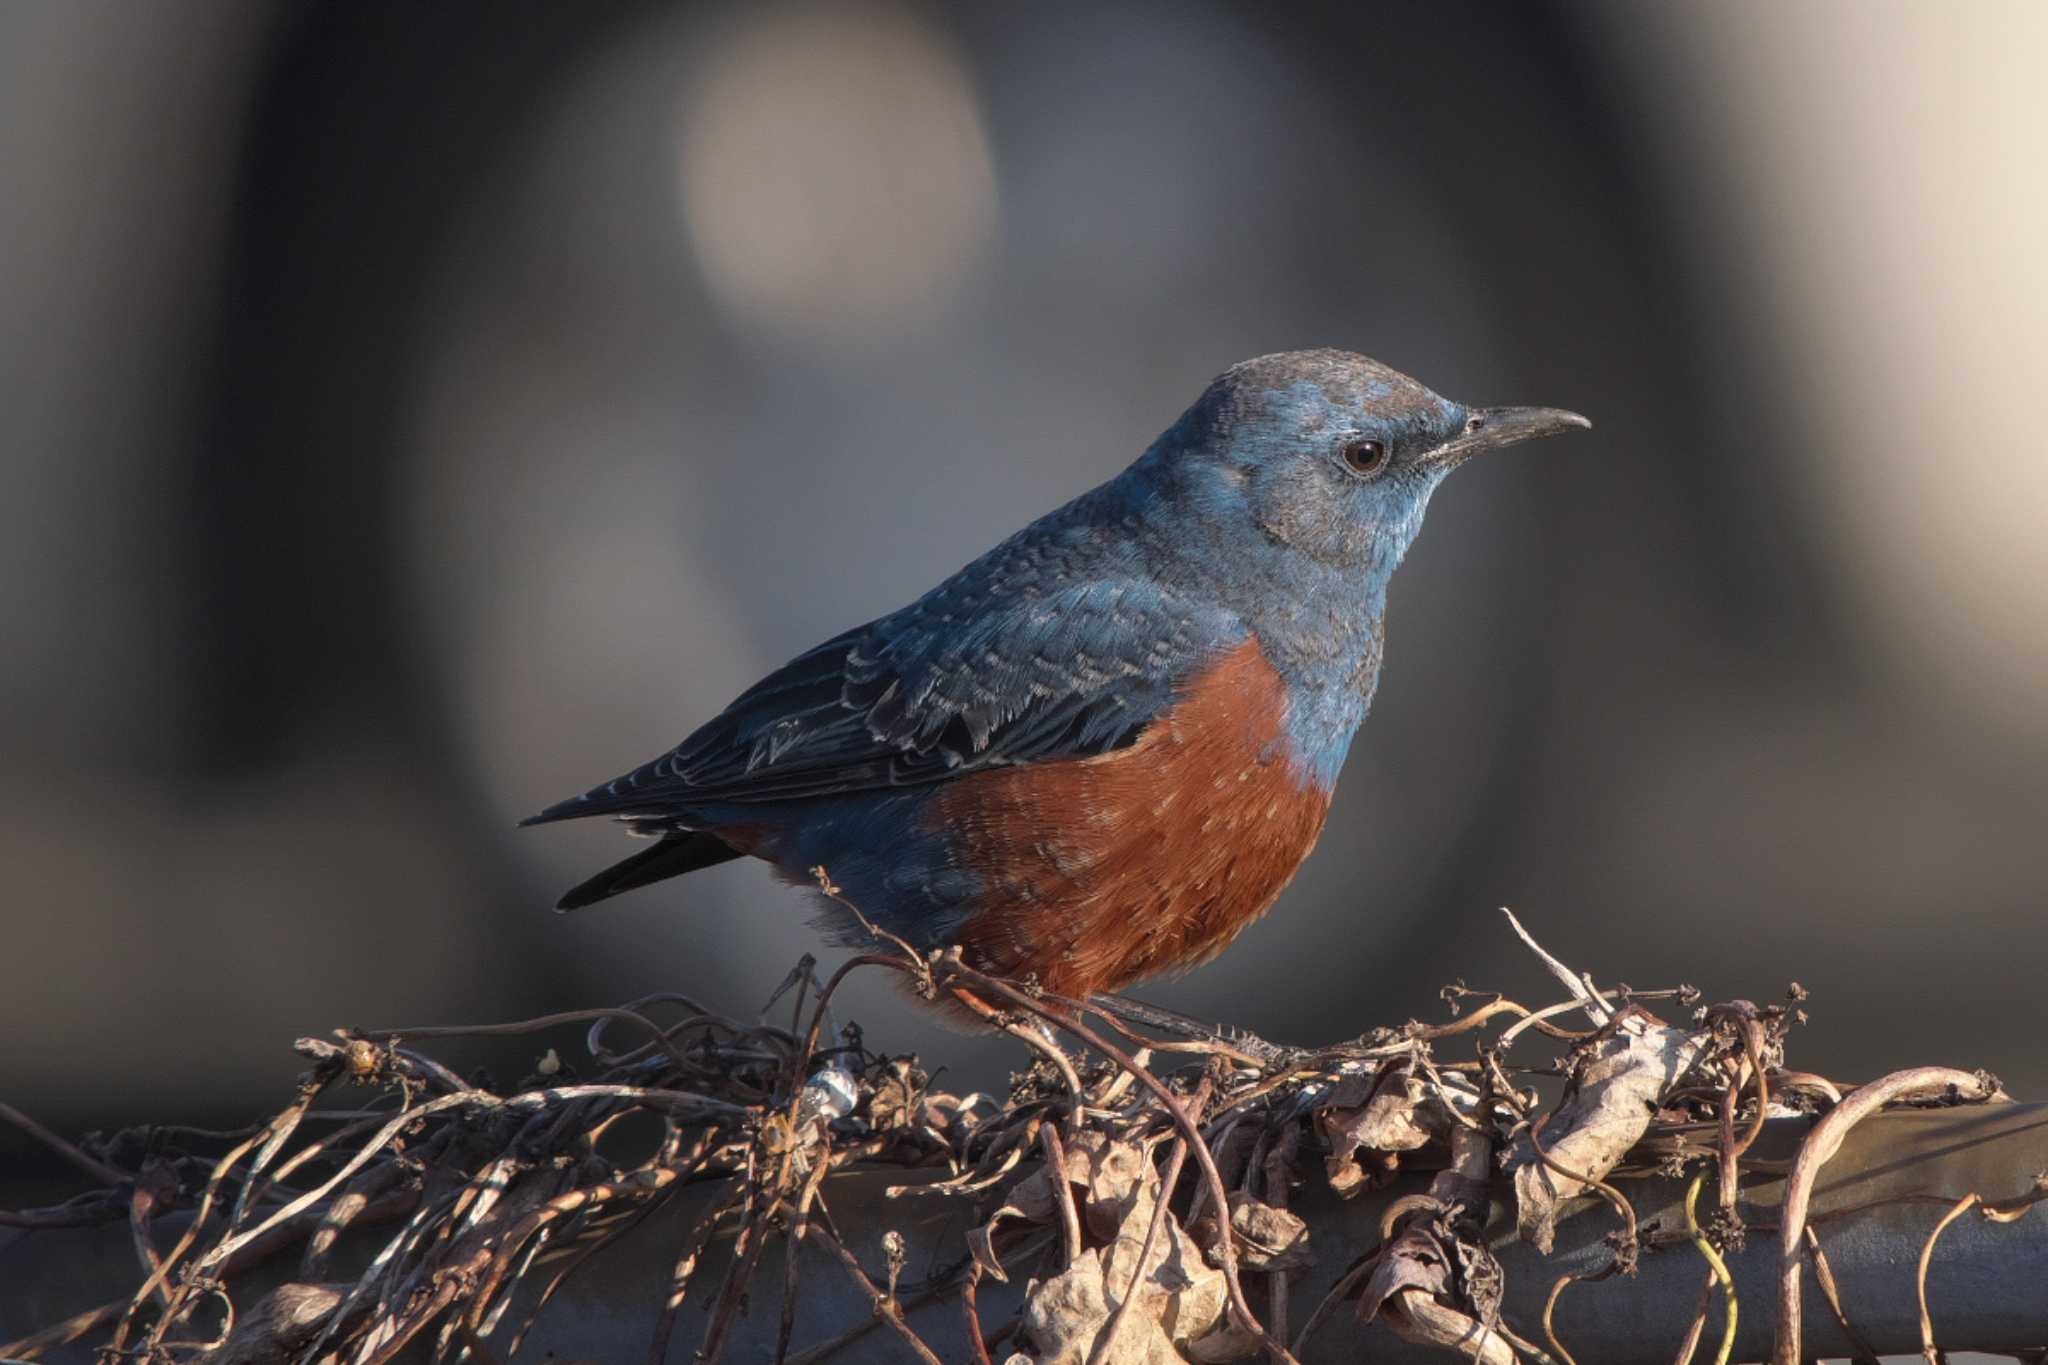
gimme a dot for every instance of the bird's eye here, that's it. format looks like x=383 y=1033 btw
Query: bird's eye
x=1366 y=456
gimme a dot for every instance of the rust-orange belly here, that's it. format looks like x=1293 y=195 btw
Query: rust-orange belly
x=1104 y=870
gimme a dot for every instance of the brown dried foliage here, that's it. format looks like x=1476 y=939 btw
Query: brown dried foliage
x=1136 y=1197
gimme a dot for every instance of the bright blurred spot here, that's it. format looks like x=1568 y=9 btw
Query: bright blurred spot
x=1893 y=154
x=835 y=173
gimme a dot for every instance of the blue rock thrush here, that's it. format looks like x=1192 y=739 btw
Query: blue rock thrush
x=1102 y=749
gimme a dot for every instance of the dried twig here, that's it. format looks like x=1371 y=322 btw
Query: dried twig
x=1062 y=1189
x=1714 y=1264
x=885 y=1307
x=1824 y=1273
x=1821 y=1145
x=1597 y=1009
x=71 y=1152
x=2004 y=1212
x=502 y=1197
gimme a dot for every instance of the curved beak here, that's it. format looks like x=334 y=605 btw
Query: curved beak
x=1488 y=428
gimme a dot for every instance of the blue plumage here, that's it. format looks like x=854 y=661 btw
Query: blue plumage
x=1273 y=512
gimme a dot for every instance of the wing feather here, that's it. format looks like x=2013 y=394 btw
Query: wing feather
x=971 y=676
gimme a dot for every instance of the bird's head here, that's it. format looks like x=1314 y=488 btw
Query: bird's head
x=1330 y=454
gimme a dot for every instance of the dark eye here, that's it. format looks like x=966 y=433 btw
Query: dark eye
x=1366 y=456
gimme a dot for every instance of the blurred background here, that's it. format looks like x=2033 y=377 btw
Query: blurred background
x=416 y=414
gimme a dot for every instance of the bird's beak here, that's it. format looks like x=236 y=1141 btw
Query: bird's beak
x=1487 y=428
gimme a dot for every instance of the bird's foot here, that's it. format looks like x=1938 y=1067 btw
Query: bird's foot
x=1271 y=1056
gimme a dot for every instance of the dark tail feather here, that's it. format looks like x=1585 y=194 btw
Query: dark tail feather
x=674 y=855
x=575 y=808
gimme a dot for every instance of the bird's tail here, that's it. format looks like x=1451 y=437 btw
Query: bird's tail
x=672 y=856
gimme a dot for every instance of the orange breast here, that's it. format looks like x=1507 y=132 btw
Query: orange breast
x=1104 y=870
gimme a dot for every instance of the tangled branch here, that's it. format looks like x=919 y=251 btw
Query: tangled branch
x=1152 y=1203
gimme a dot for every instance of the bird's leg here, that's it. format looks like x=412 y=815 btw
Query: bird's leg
x=1195 y=1030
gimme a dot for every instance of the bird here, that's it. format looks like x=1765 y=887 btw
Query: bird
x=1098 y=752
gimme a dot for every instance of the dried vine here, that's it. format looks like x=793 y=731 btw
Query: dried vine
x=493 y=1199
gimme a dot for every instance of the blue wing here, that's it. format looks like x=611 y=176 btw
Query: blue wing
x=1010 y=661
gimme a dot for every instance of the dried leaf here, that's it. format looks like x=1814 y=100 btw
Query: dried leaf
x=1403 y=1116
x=1118 y=1177
x=1268 y=1238
x=1618 y=1093
x=1227 y=1343
x=1031 y=1198
x=1435 y=1285
x=1178 y=1288
x=1347 y=1178
x=1415 y=1259
x=1399 y=1114
x=1180 y=1298
x=1109 y=1175
x=981 y=1246
x=899 y=1098
x=1417 y=1317
x=1391 y=1112
x=1068 y=1312
x=1353 y=1088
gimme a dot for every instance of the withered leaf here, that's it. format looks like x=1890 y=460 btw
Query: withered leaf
x=1113 y=1177
x=981 y=1246
x=1402 y=1115
x=1268 y=1238
x=1618 y=1093
x=1179 y=1297
x=1413 y=1260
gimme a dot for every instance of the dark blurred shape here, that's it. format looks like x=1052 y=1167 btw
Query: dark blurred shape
x=408 y=425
